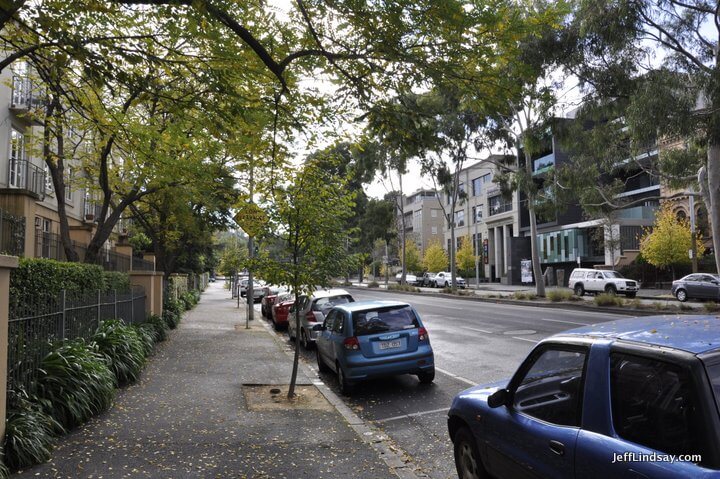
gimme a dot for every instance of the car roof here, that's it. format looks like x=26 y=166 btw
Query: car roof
x=326 y=293
x=692 y=333
x=369 y=304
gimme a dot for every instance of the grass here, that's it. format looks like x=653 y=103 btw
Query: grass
x=711 y=307
x=557 y=295
x=608 y=300
x=373 y=284
x=521 y=295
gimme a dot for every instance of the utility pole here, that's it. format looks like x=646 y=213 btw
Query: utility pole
x=251 y=253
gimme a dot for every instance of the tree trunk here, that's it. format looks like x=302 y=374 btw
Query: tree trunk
x=453 y=282
x=402 y=234
x=537 y=271
x=296 y=357
x=713 y=193
x=102 y=234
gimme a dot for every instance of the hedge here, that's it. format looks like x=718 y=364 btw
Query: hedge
x=115 y=280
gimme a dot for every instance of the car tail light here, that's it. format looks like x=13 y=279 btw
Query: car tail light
x=351 y=343
x=422 y=334
x=310 y=316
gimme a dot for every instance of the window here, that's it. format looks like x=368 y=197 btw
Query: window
x=497 y=204
x=324 y=304
x=433 y=213
x=48 y=181
x=460 y=218
x=552 y=245
x=17 y=159
x=434 y=230
x=384 y=320
x=477 y=213
x=477 y=183
x=654 y=404
x=553 y=387
x=68 y=184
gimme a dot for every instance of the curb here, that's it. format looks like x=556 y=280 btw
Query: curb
x=397 y=460
x=550 y=305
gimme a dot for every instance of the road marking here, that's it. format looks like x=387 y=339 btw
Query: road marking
x=563 y=321
x=525 y=339
x=455 y=376
x=452 y=307
x=476 y=329
x=414 y=414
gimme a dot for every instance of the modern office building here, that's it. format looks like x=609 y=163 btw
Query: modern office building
x=423 y=216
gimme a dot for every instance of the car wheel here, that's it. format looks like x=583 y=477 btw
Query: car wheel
x=292 y=338
x=467 y=458
x=681 y=295
x=322 y=367
x=610 y=289
x=346 y=387
x=427 y=377
x=630 y=295
x=446 y=284
x=579 y=290
x=306 y=343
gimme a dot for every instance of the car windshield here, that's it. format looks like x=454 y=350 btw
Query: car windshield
x=384 y=320
x=613 y=274
x=324 y=304
x=713 y=371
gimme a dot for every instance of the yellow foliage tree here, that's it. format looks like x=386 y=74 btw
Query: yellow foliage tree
x=413 y=263
x=435 y=259
x=669 y=241
x=465 y=257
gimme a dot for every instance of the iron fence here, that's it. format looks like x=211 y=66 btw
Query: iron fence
x=34 y=327
x=12 y=234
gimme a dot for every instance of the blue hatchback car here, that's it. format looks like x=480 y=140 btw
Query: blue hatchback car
x=634 y=398
x=369 y=339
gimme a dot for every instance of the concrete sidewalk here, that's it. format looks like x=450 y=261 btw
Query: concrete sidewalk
x=190 y=414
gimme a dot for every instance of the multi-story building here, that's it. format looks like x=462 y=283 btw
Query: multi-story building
x=423 y=216
x=488 y=219
x=29 y=220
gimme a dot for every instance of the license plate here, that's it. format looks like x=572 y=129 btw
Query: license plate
x=389 y=344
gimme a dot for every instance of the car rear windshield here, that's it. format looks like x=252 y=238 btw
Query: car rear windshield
x=383 y=320
x=324 y=304
x=714 y=375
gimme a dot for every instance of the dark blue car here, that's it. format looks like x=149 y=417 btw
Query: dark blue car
x=369 y=339
x=635 y=398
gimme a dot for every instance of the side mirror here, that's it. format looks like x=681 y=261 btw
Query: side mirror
x=498 y=398
x=318 y=327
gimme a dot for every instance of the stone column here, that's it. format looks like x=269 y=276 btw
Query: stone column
x=7 y=264
x=506 y=250
x=499 y=263
x=152 y=281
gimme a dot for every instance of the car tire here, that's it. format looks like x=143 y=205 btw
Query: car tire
x=346 y=387
x=305 y=340
x=611 y=290
x=681 y=295
x=292 y=338
x=630 y=295
x=446 y=284
x=322 y=367
x=426 y=377
x=467 y=458
x=579 y=290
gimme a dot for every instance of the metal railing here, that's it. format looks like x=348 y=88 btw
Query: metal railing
x=25 y=175
x=12 y=234
x=33 y=328
x=22 y=92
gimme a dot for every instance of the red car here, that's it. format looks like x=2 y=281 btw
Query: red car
x=270 y=296
x=281 y=313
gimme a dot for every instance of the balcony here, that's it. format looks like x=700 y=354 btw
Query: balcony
x=637 y=213
x=26 y=99
x=24 y=175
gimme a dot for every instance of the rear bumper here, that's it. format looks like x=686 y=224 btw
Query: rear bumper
x=358 y=370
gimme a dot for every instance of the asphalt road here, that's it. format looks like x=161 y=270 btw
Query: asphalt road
x=474 y=343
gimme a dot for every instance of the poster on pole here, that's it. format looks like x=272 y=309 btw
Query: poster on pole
x=526 y=271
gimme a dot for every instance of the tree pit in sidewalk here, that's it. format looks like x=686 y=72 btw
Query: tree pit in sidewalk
x=273 y=397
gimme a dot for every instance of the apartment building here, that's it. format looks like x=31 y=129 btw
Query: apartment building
x=490 y=221
x=29 y=220
x=424 y=221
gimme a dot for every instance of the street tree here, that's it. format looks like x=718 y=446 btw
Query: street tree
x=668 y=242
x=412 y=256
x=465 y=257
x=308 y=216
x=435 y=258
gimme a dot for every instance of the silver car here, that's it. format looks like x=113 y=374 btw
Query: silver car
x=312 y=310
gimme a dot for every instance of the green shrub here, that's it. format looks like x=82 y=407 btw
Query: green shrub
x=172 y=311
x=685 y=307
x=608 y=300
x=122 y=347
x=146 y=334
x=524 y=296
x=711 y=307
x=74 y=383
x=404 y=287
x=373 y=284
x=557 y=295
x=189 y=299
x=37 y=278
x=28 y=433
x=160 y=327
x=115 y=280
x=634 y=303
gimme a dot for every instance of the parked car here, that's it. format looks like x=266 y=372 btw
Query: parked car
x=428 y=280
x=586 y=280
x=697 y=285
x=409 y=278
x=311 y=310
x=269 y=296
x=443 y=279
x=258 y=290
x=369 y=339
x=281 y=311
x=600 y=401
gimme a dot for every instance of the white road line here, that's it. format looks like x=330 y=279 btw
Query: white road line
x=455 y=376
x=477 y=329
x=453 y=307
x=563 y=321
x=524 y=339
x=414 y=414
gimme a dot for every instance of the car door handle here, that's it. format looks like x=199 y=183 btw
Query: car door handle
x=557 y=447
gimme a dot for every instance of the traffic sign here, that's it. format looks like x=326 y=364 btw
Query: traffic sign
x=251 y=218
